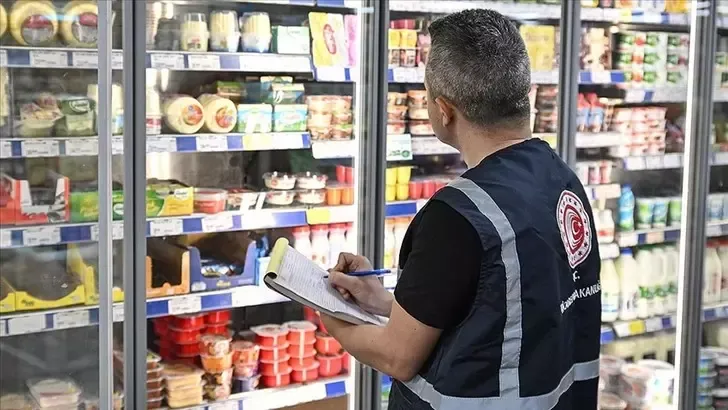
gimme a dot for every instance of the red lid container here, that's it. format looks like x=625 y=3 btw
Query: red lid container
x=217 y=317
x=192 y=321
x=302 y=332
x=329 y=365
x=271 y=368
x=326 y=344
x=270 y=335
x=272 y=354
x=276 y=380
x=161 y=327
x=305 y=374
x=218 y=329
x=184 y=350
x=182 y=336
x=302 y=361
x=301 y=350
x=345 y=359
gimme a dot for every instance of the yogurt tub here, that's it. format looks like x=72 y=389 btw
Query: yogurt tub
x=223 y=377
x=245 y=384
x=305 y=374
x=188 y=322
x=706 y=382
x=217 y=391
x=609 y=372
x=215 y=345
x=721 y=368
x=634 y=384
x=705 y=400
x=276 y=380
x=280 y=198
x=245 y=370
x=609 y=401
x=273 y=368
x=661 y=383
x=311 y=196
x=311 y=180
x=274 y=353
x=305 y=361
x=301 y=332
x=720 y=399
x=326 y=344
x=182 y=336
x=270 y=335
x=706 y=365
x=279 y=180
x=296 y=351
x=245 y=352
x=330 y=365
x=216 y=364
x=210 y=200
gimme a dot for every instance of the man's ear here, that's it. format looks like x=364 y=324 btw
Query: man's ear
x=446 y=110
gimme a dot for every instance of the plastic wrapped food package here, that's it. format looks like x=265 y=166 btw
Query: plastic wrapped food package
x=279 y=180
x=181 y=375
x=280 y=198
x=311 y=196
x=256 y=32
x=223 y=377
x=224 y=31
x=245 y=352
x=241 y=199
x=210 y=200
x=54 y=392
x=15 y=402
x=194 y=34
x=218 y=363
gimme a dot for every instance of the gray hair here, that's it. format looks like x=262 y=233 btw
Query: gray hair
x=479 y=62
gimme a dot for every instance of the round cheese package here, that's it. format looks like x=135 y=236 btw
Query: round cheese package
x=183 y=114
x=220 y=113
x=79 y=27
x=33 y=23
x=3 y=20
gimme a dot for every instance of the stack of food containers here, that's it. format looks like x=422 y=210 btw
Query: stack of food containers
x=184 y=384
x=155 y=382
x=302 y=338
x=274 y=368
x=52 y=393
x=329 y=355
x=644 y=128
x=179 y=337
x=217 y=360
x=245 y=364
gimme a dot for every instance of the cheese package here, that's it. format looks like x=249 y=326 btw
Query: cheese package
x=33 y=23
x=220 y=114
x=3 y=20
x=329 y=39
x=540 y=45
x=79 y=26
x=183 y=114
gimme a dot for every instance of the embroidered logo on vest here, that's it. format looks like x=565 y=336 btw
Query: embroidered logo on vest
x=574 y=227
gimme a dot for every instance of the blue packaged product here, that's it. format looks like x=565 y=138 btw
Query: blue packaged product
x=625 y=215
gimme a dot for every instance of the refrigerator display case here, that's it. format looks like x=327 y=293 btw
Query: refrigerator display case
x=151 y=152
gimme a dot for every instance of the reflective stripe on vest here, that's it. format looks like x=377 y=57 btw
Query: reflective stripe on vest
x=509 y=384
x=577 y=372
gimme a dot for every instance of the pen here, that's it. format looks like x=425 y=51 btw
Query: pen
x=377 y=272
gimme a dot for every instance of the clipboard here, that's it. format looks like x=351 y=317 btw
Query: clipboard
x=296 y=277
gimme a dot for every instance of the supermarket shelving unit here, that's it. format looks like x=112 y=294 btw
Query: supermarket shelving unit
x=25 y=329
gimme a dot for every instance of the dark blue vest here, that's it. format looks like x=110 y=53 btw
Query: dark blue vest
x=531 y=339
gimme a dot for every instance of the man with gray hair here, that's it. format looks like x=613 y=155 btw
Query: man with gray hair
x=498 y=303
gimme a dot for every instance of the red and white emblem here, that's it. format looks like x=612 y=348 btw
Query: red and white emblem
x=574 y=226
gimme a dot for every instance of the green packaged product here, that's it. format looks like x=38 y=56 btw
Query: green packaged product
x=289 y=118
x=255 y=118
x=284 y=94
x=78 y=117
x=85 y=206
x=291 y=40
x=644 y=208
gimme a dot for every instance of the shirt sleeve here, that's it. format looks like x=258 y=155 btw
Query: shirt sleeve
x=440 y=275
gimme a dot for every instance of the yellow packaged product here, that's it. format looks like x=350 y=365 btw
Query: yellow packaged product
x=540 y=45
x=183 y=114
x=33 y=23
x=220 y=114
x=3 y=20
x=395 y=39
x=79 y=26
x=329 y=44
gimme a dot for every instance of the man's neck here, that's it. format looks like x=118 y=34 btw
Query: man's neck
x=477 y=144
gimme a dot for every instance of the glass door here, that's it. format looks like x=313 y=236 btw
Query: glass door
x=52 y=261
x=251 y=119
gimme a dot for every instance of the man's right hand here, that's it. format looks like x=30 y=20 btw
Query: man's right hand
x=368 y=292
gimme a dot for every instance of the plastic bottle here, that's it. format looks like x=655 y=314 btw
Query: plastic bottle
x=713 y=275
x=320 y=245
x=625 y=216
x=351 y=238
x=723 y=255
x=672 y=260
x=645 y=301
x=389 y=243
x=628 y=286
x=302 y=241
x=610 y=291
x=659 y=281
x=400 y=229
x=337 y=242
x=606 y=226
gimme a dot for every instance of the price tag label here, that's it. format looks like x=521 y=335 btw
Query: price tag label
x=117 y=60
x=257 y=142
x=203 y=62
x=295 y=64
x=48 y=58
x=184 y=304
x=82 y=146
x=601 y=77
x=166 y=227
x=672 y=160
x=169 y=61
x=85 y=59
x=713 y=230
x=3 y=58
x=117 y=312
x=333 y=149
x=117 y=145
x=162 y=144
x=66 y=320
x=608 y=191
x=217 y=223
x=3 y=328
x=6 y=149
x=651 y=17
x=635 y=96
x=709 y=314
x=636 y=327
x=627 y=239
x=212 y=143
x=634 y=163
x=117 y=230
x=228 y=405
x=653 y=324
x=721 y=158
x=41 y=235
x=654 y=162
x=26 y=324
x=317 y=216
x=655 y=237
x=6 y=238
x=288 y=140
x=592 y=14
x=40 y=148
x=333 y=74
x=399 y=147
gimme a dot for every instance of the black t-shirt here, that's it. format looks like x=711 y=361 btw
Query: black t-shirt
x=440 y=261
